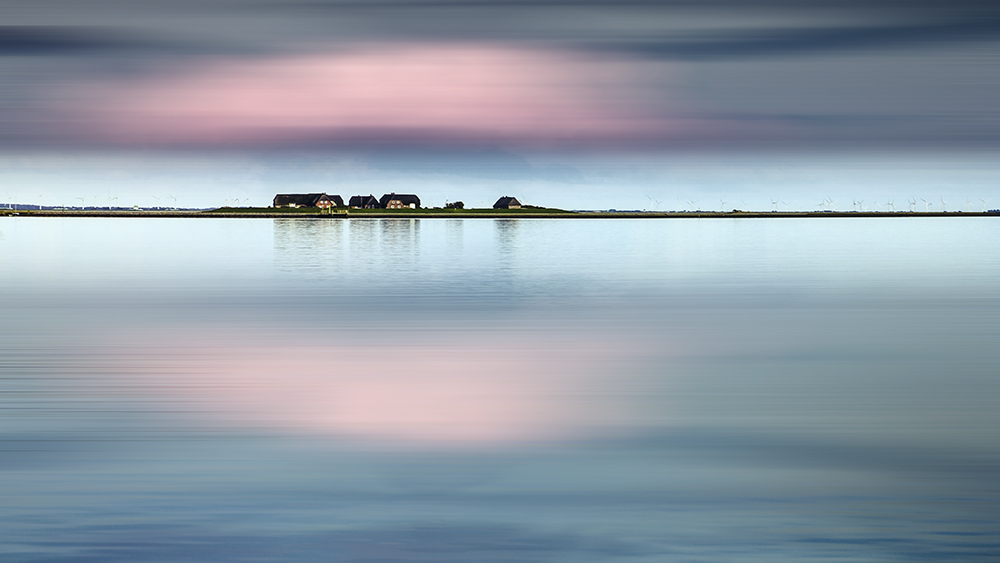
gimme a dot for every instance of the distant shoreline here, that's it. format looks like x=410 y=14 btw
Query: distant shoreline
x=262 y=213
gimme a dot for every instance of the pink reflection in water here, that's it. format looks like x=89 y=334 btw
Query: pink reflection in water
x=482 y=390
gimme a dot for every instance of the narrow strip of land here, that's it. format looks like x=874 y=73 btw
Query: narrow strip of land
x=537 y=213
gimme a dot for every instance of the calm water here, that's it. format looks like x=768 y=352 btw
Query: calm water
x=499 y=390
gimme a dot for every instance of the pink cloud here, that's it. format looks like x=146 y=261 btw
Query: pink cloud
x=448 y=92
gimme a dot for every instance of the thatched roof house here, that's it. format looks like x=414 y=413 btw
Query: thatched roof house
x=322 y=201
x=507 y=202
x=363 y=202
x=399 y=201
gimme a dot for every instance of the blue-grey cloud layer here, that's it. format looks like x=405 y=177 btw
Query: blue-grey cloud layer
x=801 y=73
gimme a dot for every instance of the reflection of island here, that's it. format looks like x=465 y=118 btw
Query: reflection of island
x=308 y=245
x=326 y=248
x=400 y=239
x=506 y=235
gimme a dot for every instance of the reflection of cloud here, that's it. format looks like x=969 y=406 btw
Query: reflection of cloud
x=445 y=93
x=473 y=390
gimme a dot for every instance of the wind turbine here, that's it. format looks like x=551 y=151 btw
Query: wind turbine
x=110 y=199
x=650 y=200
x=913 y=204
x=694 y=205
x=891 y=206
x=829 y=203
x=966 y=205
x=83 y=202
x=944 y=206
x=984 y=204
x=774 y=205
x=722 y=205
x=175 y=201
x=40 y=201
x=785 y=203
x=861 y=205
x=157 y=200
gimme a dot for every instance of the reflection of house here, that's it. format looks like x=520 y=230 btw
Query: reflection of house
x=363 y=202
x=322 y=201
x=507 y=202
x=399 y=201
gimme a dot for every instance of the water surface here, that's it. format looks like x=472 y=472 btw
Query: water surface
x=499 y=390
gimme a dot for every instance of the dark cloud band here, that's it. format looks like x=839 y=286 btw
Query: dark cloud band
x=61 y=40
x=783 y=42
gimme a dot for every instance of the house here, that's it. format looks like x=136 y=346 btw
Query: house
x=507 y=202
x=364 y=202
x=336 y=200
x=399 y=201
x=322 y=201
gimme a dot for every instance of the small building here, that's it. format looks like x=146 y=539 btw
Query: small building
x=322 y=201
x=363 y=202
x=507 y=202
x=399 y=201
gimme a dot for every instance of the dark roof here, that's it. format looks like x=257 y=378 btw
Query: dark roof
x=405 y=199
x=301 y=200
x=363 y=201
x=505 y=202
x=337 y=200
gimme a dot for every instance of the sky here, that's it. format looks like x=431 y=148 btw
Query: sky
x=629 y=105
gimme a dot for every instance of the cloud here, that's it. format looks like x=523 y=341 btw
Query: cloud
x=22 y=40
x=412 y=93
x=798 y=41
x=460 y=73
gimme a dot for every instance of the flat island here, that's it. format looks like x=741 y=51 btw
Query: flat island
x=420 y=213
